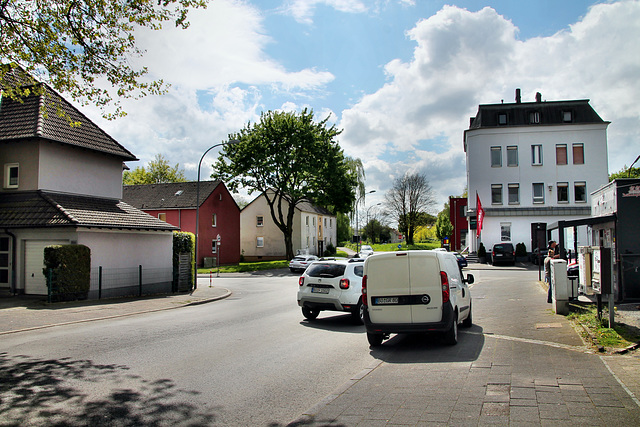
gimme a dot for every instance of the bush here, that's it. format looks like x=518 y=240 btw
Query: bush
x=521 y=250
x=183 y=243
x=330 y=251
x=70 y=267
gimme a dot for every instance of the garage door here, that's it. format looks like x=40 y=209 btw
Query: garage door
x=35 y=283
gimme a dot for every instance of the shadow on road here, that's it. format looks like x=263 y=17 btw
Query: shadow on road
x=47 y=392
x=336 y=323
x=430 y=348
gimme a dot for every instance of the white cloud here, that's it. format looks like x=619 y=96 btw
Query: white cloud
x=463 y=59
x=303 y=10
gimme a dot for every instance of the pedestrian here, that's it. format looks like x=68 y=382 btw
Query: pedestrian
x=547 y=272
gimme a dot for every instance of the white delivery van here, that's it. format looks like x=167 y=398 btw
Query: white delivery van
x=415 y=291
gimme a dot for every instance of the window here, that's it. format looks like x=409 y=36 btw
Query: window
x=162 y=217
x=259 y=221
x=563 y=192
x=325 y=222
x=536 y=155
x=512 y=156
x=306 y=220
x=561 y=154
x=502 y=119
x=567 y=117
x=214 y=220
x=580 y=192
x=514 y=194
x=496 y=157
x=534 y=117
x=505 y=231
x=260 y=242
x=538 y=192
x=578 y=154
x=214 y=246
x=330 y=222
x=496 y=194
x=11 y=175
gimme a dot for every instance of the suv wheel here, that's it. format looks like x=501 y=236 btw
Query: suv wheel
x=451 y=336
x=310 y=313
x=374 y=339
x=358 y=313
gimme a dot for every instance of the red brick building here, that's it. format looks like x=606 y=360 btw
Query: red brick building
x=175 y=203
x=458 y=217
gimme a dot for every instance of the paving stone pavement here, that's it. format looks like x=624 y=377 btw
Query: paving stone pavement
x=536 y=373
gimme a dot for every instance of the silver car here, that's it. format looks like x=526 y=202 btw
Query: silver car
x=300 y=263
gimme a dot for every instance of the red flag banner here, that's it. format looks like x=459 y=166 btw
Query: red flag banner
x=480 y=215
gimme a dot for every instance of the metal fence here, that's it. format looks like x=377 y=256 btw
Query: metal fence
x=119 y=282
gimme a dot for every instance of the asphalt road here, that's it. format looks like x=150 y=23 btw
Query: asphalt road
x=250 y=359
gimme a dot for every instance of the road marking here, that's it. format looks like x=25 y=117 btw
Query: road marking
x=581 y=349
x=629 y=392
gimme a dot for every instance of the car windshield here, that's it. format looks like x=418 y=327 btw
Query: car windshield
x=366 y=248
x=503 y=248
x=325 y=270
x=298 y=258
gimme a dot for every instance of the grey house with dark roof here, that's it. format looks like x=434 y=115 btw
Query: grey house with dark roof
x=314 y=228
x=63 y=185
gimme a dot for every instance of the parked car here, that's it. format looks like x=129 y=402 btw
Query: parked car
x=301 y=262
x=415 y=291
x=365 y=251
x=333 y=284
x=503 y=253
x=462 y=261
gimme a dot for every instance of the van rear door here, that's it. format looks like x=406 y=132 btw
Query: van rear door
x=426 y=287
x=388 y=287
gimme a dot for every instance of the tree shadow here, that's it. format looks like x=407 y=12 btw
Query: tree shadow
x=52 y=392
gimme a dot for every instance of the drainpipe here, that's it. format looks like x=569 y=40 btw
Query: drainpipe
x=13 y=261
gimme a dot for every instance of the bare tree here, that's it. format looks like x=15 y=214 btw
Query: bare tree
x=410 y=197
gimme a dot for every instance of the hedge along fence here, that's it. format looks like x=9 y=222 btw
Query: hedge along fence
x=68 y=272
x=184 y=243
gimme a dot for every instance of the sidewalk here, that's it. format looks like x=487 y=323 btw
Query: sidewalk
x=535 y=371
x=23 y=313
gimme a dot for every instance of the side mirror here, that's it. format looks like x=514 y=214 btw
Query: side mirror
x=469 y=279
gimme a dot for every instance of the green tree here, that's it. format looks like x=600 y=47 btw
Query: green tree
x=73 y=44
x=158 y=172
x=444 y=228
x=408 y=199
x=343 y=228
x=625 y=172
x=288 y=158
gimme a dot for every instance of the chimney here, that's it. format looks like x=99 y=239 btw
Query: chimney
x=518 y=97
x=538 y=97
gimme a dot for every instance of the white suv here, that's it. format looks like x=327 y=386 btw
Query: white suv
x=332 y=284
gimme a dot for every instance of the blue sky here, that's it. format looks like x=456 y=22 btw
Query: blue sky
x=400 y=77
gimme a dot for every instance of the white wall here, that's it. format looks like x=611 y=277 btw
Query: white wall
x=71 y=170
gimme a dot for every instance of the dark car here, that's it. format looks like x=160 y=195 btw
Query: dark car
x=503 y=253
x=462 y=261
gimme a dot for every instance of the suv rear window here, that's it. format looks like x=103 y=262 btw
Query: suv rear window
x=507 y=247
x=325 y=270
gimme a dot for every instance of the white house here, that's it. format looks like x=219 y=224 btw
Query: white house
x=63 y=185
x=314 y=228
x=532 y=164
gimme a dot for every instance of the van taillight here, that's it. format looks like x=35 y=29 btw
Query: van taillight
x=364 y=290
x=344 y=283
x=301 y=281
x=445 y=286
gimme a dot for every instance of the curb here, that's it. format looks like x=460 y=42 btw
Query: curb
x=115 y=316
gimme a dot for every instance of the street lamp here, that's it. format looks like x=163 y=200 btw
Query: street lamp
x=634 y=162
x=232 y=142
x=372 y=206
x=357 y=224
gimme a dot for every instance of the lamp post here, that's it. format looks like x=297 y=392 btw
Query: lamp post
x=372 y=206
x=195 y=275
x=357 y=224
x=634 y=162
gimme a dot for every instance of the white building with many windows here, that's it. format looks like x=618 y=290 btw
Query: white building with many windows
x=532 y=164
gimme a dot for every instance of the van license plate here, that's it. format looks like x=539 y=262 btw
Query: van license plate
x=385 y=300
x=319 y=290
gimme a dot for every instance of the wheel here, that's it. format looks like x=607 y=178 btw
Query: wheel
x=451 y=336
x=468 y=321
x=374 y=339
x=358 y=313
x=310 y=313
